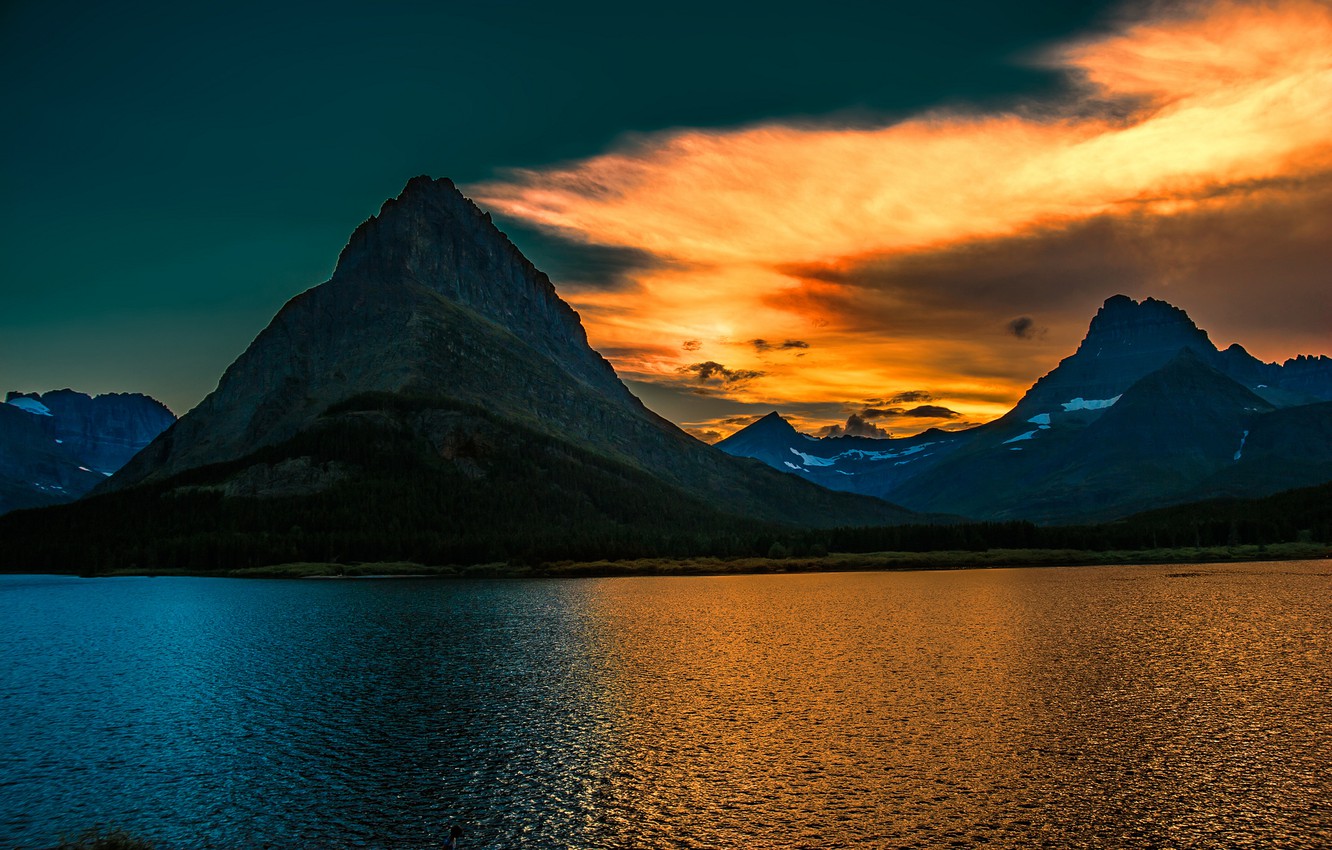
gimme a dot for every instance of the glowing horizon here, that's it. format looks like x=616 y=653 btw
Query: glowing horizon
x=815 y=267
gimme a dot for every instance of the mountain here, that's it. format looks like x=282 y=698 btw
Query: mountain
x=56 y=446
x=1153 y=445
x=1146 y=412
x=1127 y=340
x=435 y=398
x=865 y=465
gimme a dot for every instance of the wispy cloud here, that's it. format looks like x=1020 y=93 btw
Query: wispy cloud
x=836 y=237
x=763 y=346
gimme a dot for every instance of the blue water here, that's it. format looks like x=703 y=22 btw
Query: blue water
x=1102 y=707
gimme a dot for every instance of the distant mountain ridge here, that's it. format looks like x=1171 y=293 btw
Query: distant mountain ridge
x=1146 y=412
x=58 y=445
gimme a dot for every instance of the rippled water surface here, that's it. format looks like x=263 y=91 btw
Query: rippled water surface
x=1096 y=707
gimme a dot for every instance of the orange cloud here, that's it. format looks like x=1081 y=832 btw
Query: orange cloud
x=1222 y=99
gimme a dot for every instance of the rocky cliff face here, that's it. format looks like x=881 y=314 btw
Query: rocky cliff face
x=434 y=237
x=56 y=446
x=1307 y=376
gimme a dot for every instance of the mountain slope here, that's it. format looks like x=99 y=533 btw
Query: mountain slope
x=1286 y=448
x=1161 y=438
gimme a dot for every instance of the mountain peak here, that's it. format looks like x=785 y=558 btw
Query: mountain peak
x=1121 y=320
x=771 y=422
x=428 y=296
x=1125 y=341
x=759 y=432
x=411 y=231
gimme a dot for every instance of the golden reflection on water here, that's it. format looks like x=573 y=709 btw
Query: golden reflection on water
x=1094 y=707
x=1015 y=707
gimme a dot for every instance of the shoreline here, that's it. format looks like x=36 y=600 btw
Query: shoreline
x=708 y=566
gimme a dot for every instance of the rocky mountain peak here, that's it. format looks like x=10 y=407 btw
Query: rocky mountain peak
x=428 y=297
x=400 y=238
x=1125 y=341
x=761 y=432
x=772 y=422
x=432 y=236
x=426 y=233
x=1121 y=321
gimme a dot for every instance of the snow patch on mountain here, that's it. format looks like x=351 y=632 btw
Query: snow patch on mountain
x=1040 y=419
x=865 y=454
x=810 y=460
x=1243 y=438
x=31 y=405
x=1081 y=403
x=1027 y=436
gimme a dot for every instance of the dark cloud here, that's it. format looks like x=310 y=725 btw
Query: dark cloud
x=932 y=411
x=762 y=345
x=855 y=426
x=711 y=370
x=1024 y=327
x=924 y=411
x=879 y=412
x=1240 y=269
x=691 y=345
x=906 y=397
x=573 y=264
x=1246 y=272
x=862 y=422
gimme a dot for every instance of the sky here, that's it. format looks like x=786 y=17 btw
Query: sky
x=874 y=220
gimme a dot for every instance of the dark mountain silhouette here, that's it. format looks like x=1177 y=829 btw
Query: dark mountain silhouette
x=436 y=399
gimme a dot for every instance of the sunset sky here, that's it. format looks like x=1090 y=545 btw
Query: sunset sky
x=892 y=219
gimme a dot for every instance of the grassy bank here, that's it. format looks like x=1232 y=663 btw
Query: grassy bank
x=955 y=560
x=837 y=562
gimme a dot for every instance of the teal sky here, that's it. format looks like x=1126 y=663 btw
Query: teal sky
x=172 y=173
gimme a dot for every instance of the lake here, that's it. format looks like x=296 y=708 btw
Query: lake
x=1173 y=706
